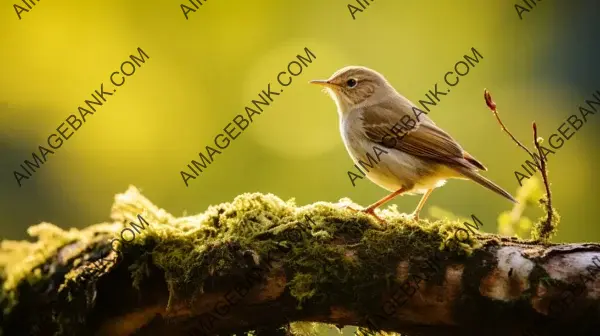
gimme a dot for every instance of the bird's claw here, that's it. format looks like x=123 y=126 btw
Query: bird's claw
x=371 y=212
x=367 y=211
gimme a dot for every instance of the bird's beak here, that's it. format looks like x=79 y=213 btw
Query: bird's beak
x=321 y=82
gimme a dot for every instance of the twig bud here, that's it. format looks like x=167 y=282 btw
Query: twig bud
x=488 y=100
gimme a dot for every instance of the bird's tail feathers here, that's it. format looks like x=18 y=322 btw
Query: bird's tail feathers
x=473 y=175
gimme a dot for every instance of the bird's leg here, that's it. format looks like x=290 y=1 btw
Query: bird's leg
x=415 y=214
x=371 y=208
x=369 y=212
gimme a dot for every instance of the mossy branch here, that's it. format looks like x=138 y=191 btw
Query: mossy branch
x=259 y=264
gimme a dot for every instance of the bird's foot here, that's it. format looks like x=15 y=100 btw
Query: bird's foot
x=370 y=211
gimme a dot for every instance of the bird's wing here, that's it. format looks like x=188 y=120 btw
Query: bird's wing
x=425 y=140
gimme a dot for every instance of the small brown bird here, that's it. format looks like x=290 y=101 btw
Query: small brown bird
x=370 y=111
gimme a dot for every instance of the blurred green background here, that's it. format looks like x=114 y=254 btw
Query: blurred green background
x=203 y=71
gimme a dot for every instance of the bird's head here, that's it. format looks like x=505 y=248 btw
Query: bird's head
x=354 y=85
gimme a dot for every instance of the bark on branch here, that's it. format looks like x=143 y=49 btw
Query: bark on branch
x=259 y=262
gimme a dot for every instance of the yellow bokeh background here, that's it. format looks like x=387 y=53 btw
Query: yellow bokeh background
x=204 y=70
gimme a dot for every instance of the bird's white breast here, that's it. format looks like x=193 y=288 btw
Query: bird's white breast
x=395 y=169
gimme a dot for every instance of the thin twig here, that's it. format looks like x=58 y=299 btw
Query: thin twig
x=492 y=106
x=546 y=227
x=544 y=176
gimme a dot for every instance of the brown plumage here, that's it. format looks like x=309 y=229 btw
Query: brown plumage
x=419 y=160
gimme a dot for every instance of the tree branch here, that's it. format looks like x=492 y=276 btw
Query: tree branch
x=258 y=263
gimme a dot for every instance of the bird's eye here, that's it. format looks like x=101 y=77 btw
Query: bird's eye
x=351 y=82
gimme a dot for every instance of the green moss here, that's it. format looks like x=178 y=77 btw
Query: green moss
x=545 y=228
x=301 y=286
x=335 y=246
x=20 y=260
